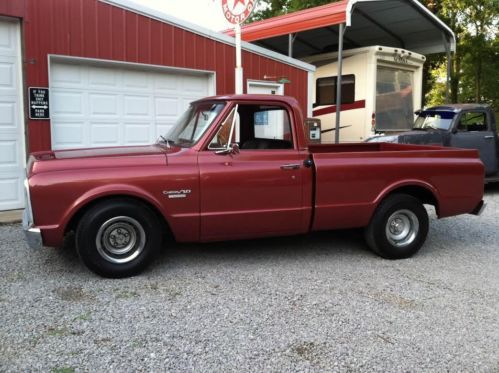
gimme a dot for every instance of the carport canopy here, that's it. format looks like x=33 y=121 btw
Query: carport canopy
x=405 y=24
x=347 y=24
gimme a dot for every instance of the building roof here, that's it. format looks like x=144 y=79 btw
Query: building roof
x=405 y=24
x=196 y=29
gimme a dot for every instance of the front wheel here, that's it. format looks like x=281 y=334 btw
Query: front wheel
x=118 y=238
x=398 y=227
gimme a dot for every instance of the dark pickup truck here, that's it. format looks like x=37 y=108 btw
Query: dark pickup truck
x=467 y=126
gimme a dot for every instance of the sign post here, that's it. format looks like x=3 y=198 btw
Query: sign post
x=237 y=14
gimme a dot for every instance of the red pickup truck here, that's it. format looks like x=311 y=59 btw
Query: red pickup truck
x=236 y=167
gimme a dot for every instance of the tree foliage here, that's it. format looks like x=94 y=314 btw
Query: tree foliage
x=475 y=66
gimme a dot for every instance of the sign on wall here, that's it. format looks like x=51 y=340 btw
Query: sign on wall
x=39 y=103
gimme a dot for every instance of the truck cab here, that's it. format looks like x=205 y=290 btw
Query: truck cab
x=467 y=126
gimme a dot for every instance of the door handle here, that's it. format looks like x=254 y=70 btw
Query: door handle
x=291 y=166
x=488 y=137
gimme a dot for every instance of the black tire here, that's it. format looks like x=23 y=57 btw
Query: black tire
x=398 y=227
x=118 y=238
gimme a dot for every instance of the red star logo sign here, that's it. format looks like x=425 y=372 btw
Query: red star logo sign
x=240 y=14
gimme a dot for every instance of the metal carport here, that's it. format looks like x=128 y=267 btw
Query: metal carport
x=346 y=24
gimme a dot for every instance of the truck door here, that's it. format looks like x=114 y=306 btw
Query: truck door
x=251 y=176
x=472 y=131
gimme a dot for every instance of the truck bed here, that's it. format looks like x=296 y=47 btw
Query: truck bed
x=351 y=179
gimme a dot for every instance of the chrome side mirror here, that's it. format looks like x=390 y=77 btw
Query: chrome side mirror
x=231 y=149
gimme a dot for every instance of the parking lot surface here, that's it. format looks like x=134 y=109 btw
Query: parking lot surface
x=320 y=302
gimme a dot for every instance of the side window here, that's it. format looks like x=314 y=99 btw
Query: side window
x=473 y=121
x=325 y=93
x=255 y=127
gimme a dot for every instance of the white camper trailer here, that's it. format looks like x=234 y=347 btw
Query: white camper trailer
x=381 y=89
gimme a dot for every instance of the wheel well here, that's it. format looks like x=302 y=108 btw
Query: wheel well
x=421 y=193
x=73 y=222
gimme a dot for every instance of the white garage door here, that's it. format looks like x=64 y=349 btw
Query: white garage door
x=12 y=153
x=99 y=105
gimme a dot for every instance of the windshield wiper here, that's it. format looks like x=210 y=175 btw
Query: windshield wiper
x=166 y=141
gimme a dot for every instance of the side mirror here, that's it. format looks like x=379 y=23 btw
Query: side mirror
x=231 y=149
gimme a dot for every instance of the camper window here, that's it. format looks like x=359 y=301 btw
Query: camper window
x=326 y=90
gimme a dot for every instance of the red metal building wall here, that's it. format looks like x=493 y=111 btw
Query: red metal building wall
x=92 y=29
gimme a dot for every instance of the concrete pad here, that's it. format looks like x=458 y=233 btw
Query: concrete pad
x=11 y=216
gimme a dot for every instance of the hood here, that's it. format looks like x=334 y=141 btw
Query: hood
x=78 y=159
x=99 y=152
x=428 y=137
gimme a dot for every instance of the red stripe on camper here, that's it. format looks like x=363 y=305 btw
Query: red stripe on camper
x=344 y=107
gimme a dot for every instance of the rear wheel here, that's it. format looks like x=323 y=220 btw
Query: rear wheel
x=398 y=227
x=118 y=238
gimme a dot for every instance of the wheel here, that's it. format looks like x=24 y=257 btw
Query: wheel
x=398 y=227
x=118 y=238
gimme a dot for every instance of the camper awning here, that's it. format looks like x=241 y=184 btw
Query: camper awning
x=405 y=24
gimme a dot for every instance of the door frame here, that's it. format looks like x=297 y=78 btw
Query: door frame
x=265 y=83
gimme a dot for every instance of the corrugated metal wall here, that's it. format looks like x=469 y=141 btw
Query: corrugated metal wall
x=89 y=28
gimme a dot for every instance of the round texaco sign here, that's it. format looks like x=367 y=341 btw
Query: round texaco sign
x=237 y=11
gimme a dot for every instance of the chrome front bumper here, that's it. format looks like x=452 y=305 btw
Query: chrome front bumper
x=33 y=235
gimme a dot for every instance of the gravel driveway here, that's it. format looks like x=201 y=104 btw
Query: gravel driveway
x=309 y=303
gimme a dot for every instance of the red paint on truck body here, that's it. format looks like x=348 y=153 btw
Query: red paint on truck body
x=248 y=194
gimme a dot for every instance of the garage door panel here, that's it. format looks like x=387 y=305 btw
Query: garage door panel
x=104 y=104
x=103 y=78
x=64 y=102
x=9 y=156
x=166 y=108
x=7 y=76
x=9 y=191
x=67 y=75
x=8 y=113
x=68 y=135
x=137 y=80
x=192 y=85
x=137 y=106
x=7 y=39
x=138 y=133
x=118 y=105
x=105 y=134
x=165 y=83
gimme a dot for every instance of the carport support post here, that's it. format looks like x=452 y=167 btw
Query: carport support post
x=338 y=83
x=449 y=66
x=291 y=40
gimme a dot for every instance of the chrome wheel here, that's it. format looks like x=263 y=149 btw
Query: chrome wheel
x=402 y=228
x=120 y=239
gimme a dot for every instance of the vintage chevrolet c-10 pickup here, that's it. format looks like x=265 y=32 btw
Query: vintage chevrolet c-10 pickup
x=238 y=167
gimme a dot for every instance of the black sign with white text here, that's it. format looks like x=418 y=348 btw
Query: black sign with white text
x=39 y=103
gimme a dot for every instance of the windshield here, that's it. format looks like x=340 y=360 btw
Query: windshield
x=434 y=120
x=192 y=124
